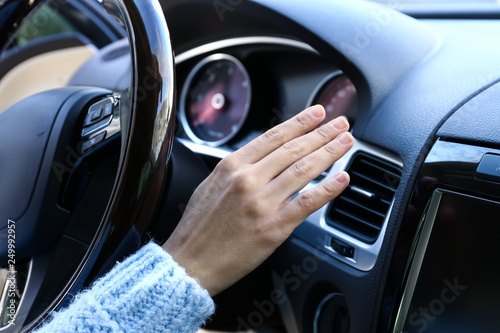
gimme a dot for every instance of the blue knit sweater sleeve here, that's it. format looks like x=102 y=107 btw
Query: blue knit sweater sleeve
x=147 y=292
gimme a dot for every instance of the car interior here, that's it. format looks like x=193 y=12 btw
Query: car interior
x=105 y=132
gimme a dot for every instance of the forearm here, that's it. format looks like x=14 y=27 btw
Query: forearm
x=147 y=292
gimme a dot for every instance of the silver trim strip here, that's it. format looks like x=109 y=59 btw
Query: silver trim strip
x=217 y=152
x=428 y=223
x=362 y=192
x=215 y=46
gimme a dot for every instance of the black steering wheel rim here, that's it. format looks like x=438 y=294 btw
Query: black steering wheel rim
x=147 y=128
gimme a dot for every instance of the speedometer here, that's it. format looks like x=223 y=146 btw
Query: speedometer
x=338 y=96
x=215 y=100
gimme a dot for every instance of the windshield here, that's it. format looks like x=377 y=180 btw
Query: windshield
x=429 y=2
x=443 y=4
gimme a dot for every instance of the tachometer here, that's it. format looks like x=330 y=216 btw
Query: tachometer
x=338 y=96
x=215 y=100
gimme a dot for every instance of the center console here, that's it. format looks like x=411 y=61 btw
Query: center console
x=444 y=275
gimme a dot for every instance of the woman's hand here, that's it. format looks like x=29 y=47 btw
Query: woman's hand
x=242 y=212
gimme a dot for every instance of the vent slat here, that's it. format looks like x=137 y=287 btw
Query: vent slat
x=385 y=170
x=361 y=210
x=357 y=204
x=388 y=203
x=351 y=216
x=374 y=181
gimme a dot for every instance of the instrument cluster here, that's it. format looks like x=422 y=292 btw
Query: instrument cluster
x=223 y=94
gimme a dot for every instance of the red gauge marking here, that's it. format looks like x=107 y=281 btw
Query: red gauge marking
x=339 y=98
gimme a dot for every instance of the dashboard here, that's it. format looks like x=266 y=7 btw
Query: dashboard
x=410 y=246
x=232 y=90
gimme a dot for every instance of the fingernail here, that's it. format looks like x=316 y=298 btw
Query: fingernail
x=341 y=177
x=340 y=123
x=317 y=111
x=345 y=139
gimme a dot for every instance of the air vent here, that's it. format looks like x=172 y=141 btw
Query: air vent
x=361 y=209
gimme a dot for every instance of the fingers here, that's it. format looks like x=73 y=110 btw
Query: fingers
x=311 y=200
x=277 y=136
x=290 y=152
x=300 y=173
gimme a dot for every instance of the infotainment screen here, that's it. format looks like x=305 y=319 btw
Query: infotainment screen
x=454 y=281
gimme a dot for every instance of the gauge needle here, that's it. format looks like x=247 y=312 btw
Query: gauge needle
x=207 y=116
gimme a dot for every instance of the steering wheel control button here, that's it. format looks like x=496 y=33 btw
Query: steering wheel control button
x=99 y=116
x=342 y=248
x=95 y=115
x=96 y=127
x=99 y=111
x=108 y=109
x=87 y=145
x=92 y=117
x=489 y=168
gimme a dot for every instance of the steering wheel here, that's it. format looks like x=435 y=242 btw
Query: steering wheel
x=38 y=164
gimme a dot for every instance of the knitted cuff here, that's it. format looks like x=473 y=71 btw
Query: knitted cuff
x=147 y=292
